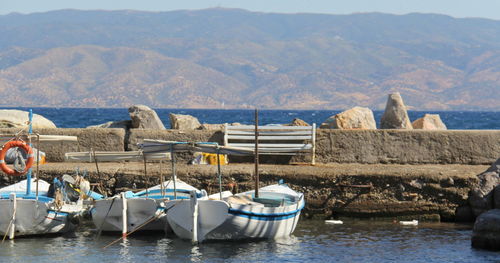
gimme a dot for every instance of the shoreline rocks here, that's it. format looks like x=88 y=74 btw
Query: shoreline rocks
x=19 y=119
x=485 y=203
x=482 y=196
x=395 y=115
x=346 y=190
x=486 y=231
x=184 y=122
x=125 y=124
x=355 y=118
x=297 y=122
x=144 y=117
x=429 y=122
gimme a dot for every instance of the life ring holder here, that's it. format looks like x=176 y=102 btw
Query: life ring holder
x=29 y=161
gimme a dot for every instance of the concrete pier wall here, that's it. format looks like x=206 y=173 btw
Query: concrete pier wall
x=88 y=139
x=332 y=146
x=408 y=146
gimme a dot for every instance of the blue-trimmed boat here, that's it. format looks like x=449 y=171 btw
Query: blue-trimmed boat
x=269 y=212
x=144 y=210
x=26 y=213
x=128 y=212
x=242 y=216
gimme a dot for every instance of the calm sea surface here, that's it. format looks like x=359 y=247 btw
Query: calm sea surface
x=83 y=117
x=313 y=241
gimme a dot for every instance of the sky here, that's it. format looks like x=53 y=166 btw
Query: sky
x=456 y=8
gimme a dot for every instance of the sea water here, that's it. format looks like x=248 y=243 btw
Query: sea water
x=83 y=117
x=313 y=241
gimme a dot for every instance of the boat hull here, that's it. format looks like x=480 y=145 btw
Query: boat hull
x=251 y=221
x=107 y=214
x=243 y=223
x=209 y=215
x=33 y=218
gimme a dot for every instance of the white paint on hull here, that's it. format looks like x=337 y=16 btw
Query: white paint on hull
x=33 y=218
x=244 y=217
x=107 y=215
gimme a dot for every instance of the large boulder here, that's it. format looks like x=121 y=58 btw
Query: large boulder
x=481 y=198
x=19 y=119
x=429 y=122
x=143 y=117
x=126 y=124
x=486 y=231
x=184 y=122
x=395 y=115
x=297 y=122
x=355 y=118
x=212 y=127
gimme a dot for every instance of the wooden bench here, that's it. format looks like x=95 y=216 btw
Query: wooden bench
x=273 y=140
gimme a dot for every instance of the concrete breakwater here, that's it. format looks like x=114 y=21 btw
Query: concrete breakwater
x=424 y=192
x=360 y=173
x=471 y=147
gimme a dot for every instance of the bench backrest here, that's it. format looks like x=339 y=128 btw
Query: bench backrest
x=273 y=140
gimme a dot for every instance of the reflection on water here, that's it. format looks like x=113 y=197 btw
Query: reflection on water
x=313 y=241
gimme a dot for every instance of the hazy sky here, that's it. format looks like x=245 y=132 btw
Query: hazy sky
x=456 y=8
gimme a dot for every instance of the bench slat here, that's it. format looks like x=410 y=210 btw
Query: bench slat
x=273 y=140
x=269 y=145
x=269 y=138
x=281 y=149
x=278 y=133
x=251 y=127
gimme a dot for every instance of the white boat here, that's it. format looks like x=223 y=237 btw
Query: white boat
x=145 y=210
x=24 y=214
x=128 y=212
x=273 y=215
x=269 y=212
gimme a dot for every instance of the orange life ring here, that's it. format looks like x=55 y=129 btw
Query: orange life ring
x=29 y=161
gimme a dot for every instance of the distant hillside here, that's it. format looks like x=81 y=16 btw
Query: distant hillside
x=233 y=58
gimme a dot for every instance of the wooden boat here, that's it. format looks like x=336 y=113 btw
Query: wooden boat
x=274 y=214
x=144 y=210
x=23 y=214
x=271 y=212
x=129 y=211
x=26 y=212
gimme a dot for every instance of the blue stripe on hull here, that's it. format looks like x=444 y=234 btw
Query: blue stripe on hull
x=264 y=216
x=57 y=213
x=45 y=199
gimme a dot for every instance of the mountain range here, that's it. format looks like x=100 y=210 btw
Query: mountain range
x=233 y=58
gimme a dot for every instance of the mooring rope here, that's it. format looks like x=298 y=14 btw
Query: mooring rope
x=140 y=226
x=8 y=228
x=104 y=220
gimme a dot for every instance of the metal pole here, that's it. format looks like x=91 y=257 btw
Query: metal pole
x=194 y=213
x=256 y=154
x=124 y=215
x=162 y=181
x=37 y=163
x=12 y=229
x=174 y=176
x=30 y=131
x=146 y=175
x=219 y=173
x=98 y=173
